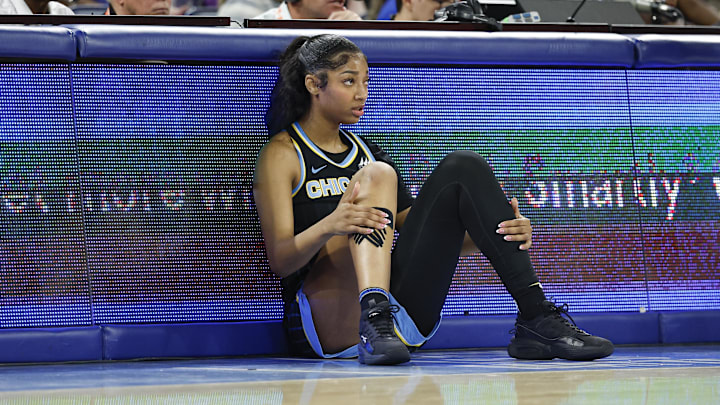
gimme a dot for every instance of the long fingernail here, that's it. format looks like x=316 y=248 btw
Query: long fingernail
x=500 y=230
x=507 y=237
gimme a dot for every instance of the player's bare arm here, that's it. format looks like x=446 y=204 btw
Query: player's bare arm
x=277 y=172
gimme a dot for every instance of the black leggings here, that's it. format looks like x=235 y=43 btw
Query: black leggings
x=461 y=194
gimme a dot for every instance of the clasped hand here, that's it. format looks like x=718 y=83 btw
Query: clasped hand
x=518 y=229
x=349 y=218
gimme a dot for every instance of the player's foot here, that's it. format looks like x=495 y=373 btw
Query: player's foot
x=378 y=342
x=551 y=335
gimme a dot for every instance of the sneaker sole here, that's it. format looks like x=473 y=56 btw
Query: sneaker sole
x=527 y=349
x=393 y=356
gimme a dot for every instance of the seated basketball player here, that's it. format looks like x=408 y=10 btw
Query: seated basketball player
x=329 y=201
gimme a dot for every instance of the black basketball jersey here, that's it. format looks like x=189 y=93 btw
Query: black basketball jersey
x=323 y=179
x=325 y=176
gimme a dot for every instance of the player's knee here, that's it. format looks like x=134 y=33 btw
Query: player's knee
x=378 y=173
x=462 y=163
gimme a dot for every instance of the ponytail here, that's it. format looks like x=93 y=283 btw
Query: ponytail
x=290 y=99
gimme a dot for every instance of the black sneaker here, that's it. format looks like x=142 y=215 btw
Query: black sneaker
x=550 y=335
x=378 y=342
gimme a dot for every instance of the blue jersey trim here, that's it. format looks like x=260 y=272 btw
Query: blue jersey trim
x=404 y=328
x=302 y=168
x=362 y=144
x=311 y=335
x=345 y=163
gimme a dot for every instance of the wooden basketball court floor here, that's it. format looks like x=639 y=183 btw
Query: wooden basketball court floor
x=672 y=375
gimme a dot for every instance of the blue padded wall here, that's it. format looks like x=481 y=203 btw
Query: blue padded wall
x=32 y=345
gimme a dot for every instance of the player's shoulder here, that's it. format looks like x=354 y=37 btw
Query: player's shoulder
x=280 y=146
x=276 y=159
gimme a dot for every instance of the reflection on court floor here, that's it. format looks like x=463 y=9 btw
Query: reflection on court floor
x=634 y=375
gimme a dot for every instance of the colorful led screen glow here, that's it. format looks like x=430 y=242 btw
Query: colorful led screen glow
x=126 y=190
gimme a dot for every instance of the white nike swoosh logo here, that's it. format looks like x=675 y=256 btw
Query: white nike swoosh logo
x=315 y=171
